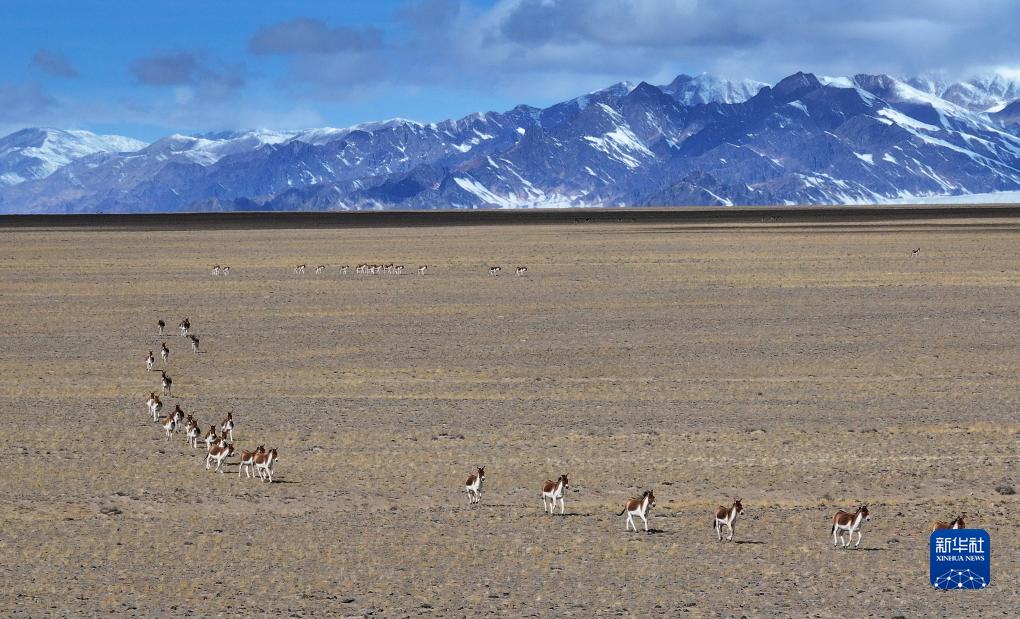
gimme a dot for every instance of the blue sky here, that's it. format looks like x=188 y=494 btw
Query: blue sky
x=146 y=69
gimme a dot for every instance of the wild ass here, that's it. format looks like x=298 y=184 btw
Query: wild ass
x=844 y=521
x=227 y=426
x=248 y=460
x=154 y=406
x=957 y=523
x=473 y=486
x=159 y=327
x=726 y=516
x=218 y=455
x=164 y=352
x=194 y=342
x=264 y=464
x=553 y=491
x=639 y=507
x=168 y=383
x=150 y=361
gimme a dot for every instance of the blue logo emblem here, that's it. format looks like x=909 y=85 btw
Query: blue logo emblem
x=960 y=559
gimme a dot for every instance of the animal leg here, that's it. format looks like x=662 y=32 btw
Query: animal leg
x=562 y=506
x=645 y=520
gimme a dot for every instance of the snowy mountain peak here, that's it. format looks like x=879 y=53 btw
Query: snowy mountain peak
x=705 y=88
x=37 y=152
x=985 y=92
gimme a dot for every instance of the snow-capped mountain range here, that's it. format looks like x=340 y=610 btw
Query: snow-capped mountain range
x=695 y=141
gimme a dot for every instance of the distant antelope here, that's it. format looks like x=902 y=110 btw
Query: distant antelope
x=422 y=269
x=184 y=326
x=299 y=269
x=226 y=271
x=494 y=271
x=248 y=460
x=845 y=521
x=639 y=507
x=218 y=455
x=191 y=433
x=154 y=406
x=168 y=383
x=264 y=464
x=473 y=486
x=150 y=361
x=344 y=269
x=164 y=352
x=228 y=425
x=210 y=437
x=726 y=516
x=169 y=426
x=159 y=327
x=915 y=252
x=520 y=271
x=194 y=343
x=216 y=270
x=320 y=269
x=958 y=523
x=553 y=491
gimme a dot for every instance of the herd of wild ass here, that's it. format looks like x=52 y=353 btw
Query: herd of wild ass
x=219 y=446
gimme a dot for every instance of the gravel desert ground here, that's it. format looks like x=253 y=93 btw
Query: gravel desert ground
x=803 y=368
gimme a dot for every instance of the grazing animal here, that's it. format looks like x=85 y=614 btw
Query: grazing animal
x=344 y=269
x=218 y=454
x=191 y=433
x=159 y=327
x=216 y=270
x=226 y=270
x=320 y=269
x=164 y=352
x=150 y=361
x=520 y=271
x=726 y=516
x=154 y=406
x=473 y=486
x=264 y=464
x=228 y=426
x=958 y=523
x=422 y=269
x=168 y=383
x=248 y=460
x=553 y=491
x=194 y=342
x=210 y=437
x=639 y=507
x=845 y=521
x=299 y=269
x=915 y=252
x=494 y=271
x=169 y=426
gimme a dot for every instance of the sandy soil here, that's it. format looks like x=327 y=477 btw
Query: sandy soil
x=803 y=368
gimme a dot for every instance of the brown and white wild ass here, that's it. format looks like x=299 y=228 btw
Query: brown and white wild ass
x=319 y=270
x=159 y=327
x=226 y=271
x=639 y=507
x=726 y=516
x=150 y=361
x=210 y=437
x=194 y=342
x=520 y=271
x=154 y=406
x=422 y=269
x=228 y=426
x=494 y=271
x=553 y=491
x=218 y=455
x=216 y=270
x=164 y=352
x=473 y=486
x=168 y=383
x=299 y=269
x=184 y=326
x=957 y=523
x=169 y=425
x=845 y=521
x=264 y=464
x=248 y=460
x=191 y=432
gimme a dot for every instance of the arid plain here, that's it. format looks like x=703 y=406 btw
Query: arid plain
x=803 y=368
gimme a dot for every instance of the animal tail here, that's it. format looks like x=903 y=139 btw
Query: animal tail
x=833 y=531
x=622 y=511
